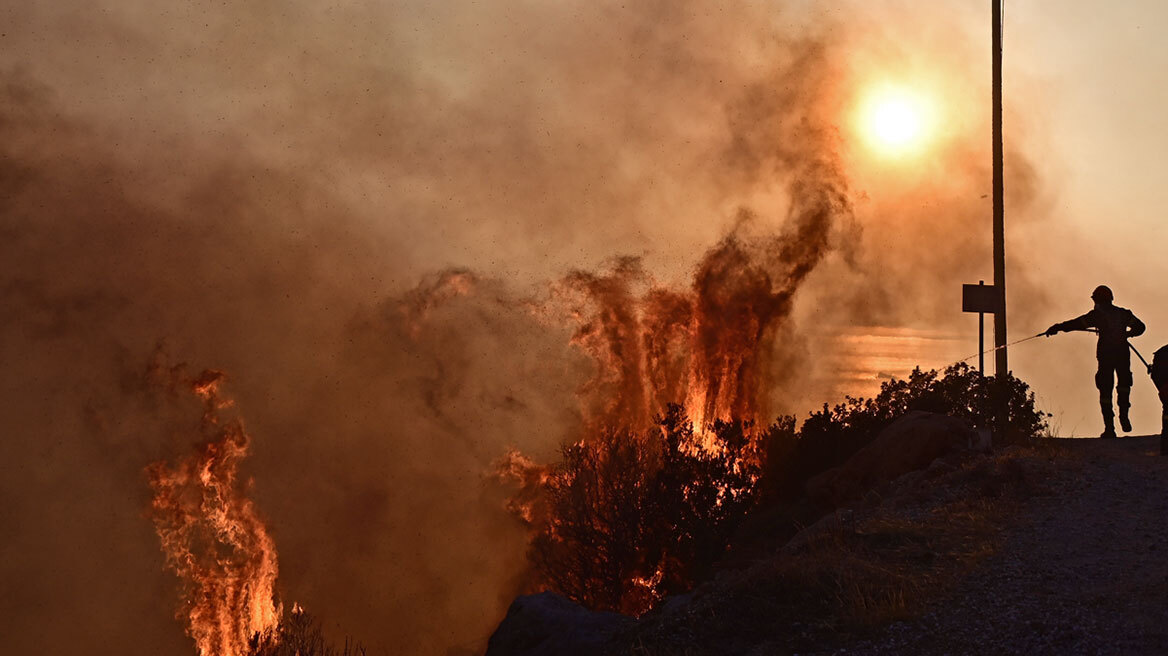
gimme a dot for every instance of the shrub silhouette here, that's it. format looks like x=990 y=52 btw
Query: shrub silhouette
x=596 y=542
x=702 y=494
x=631 y=517
x=300 y=635
x=830 y=436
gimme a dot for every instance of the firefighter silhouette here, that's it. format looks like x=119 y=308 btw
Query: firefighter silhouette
x=1114 y=326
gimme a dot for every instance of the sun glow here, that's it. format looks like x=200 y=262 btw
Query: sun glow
x=895 y=121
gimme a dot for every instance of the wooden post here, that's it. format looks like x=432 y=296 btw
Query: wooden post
x=1001 y=365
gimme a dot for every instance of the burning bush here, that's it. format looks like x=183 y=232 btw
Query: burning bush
x=597 y=544
x=629 y=517
x=705 y=487
x=300 y=635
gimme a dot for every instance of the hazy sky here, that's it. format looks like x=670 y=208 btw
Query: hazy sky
x=274 y=187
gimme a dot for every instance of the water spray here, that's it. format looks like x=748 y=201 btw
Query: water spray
x=998 y=348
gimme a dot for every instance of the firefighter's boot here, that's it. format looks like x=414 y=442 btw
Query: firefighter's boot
x=1124 y=394
x=1108 y=413
x=1108 y=425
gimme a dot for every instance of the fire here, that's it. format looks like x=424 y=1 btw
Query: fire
x=530 y=478
x=707 y=348
x=417 y=306
x=212 y=536
x=668 y=453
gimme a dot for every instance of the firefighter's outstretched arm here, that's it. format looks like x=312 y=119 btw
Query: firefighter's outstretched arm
x=1078 y=323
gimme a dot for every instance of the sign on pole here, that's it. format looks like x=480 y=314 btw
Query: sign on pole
x=983 y=299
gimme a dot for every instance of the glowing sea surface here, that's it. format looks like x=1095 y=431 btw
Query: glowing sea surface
x=857 y=359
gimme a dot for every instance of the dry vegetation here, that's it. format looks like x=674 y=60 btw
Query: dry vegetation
x=300 y=634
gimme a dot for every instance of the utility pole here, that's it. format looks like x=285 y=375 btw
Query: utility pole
x=1001 y=366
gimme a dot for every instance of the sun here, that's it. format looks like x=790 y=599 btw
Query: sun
x=895 y=120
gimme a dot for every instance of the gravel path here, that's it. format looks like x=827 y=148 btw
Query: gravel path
x=1084 y=571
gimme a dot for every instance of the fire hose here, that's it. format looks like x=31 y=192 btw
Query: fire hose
x=1132 y=347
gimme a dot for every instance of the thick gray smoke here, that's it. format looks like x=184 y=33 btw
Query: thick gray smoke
x=285 y=191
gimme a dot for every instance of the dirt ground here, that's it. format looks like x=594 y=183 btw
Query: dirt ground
x=1083 y=570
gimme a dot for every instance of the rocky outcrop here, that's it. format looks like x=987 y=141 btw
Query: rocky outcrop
x=908 y=444
x=547 y=624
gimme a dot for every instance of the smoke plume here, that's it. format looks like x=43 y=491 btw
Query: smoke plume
x=416 y=235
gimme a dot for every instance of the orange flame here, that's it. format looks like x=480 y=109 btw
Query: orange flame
x=528 y=503
x=706 y=349
x=213 y=538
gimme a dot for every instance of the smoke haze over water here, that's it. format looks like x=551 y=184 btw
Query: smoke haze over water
x=359 y=211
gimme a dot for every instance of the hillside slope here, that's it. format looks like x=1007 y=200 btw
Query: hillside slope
x=1083 y=570
x=1061 y=547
